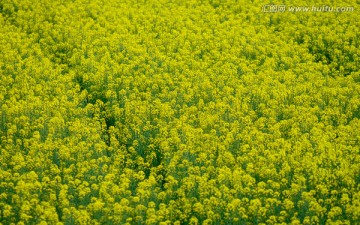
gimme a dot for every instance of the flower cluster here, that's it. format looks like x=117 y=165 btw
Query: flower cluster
x=177 y=112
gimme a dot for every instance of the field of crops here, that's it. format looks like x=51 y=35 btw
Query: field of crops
x=179 y=112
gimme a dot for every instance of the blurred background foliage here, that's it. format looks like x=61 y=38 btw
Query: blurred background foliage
x=178 y=112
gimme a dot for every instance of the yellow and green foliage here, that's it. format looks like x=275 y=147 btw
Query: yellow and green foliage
x=178 y=112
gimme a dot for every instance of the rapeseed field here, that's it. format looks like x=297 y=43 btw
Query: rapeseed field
x=179 y=112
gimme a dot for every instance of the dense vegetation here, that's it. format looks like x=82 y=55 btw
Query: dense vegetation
x=178 y=112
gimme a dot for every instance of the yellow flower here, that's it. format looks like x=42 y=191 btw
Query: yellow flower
x=288 y=204
x=194 y=221
x=98 y=205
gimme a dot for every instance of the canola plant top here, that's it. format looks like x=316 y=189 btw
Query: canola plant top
x=179 y=112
